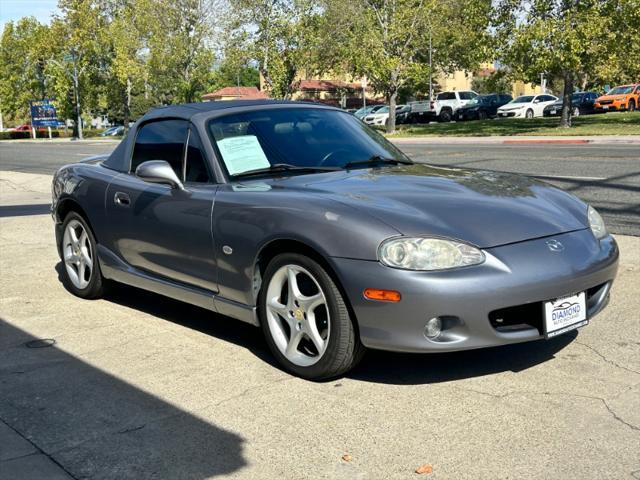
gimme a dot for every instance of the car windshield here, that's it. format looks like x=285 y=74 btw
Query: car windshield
x=383 y=110
x=480 y=99
x=621 y=90
x=523 y=99
x=298 y=137
x=576 y=97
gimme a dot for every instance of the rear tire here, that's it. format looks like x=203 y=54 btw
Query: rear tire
x=529 y=114
x=305 y=320
x=482 y=115
x=446 y=115
x=81 y=273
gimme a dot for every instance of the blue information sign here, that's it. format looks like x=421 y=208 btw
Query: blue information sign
x=43 y=113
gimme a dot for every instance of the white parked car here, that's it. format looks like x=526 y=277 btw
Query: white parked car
x=448 y=103
x=380 y=117
x=526 y=106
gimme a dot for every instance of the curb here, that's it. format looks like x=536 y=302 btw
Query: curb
x=546 y=142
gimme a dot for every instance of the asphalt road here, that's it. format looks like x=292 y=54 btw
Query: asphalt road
x=607 y=176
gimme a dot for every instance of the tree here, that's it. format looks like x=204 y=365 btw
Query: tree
x=179 y=39
x=496 y=82
x=128 y=66
x=80 y=61
x=23 y=53
x=557 y=37
x=280 y=36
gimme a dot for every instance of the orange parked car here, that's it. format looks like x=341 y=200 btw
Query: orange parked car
x=623 y=97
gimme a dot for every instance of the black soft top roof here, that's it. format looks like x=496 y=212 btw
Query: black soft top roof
x=120 y=157
x=188 y=110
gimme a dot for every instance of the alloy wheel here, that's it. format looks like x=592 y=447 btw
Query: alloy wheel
x=77 y=254
x=298 y=315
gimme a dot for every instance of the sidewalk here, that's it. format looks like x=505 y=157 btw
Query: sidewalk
x=19 y=458
x=64 y=140
x=523 y=139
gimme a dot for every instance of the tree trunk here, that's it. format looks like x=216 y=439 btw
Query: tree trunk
x=391 y=122
x=127 y=106
x=567 y=109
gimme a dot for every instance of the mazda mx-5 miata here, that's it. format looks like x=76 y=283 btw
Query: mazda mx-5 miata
x=300 y=219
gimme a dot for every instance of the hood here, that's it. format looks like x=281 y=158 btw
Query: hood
x=613 y=97
x=486 y=209
x=512 y=106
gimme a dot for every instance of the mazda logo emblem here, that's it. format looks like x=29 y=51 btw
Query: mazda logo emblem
x=555 y=246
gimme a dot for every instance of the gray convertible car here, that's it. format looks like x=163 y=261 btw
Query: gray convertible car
x=300 y=219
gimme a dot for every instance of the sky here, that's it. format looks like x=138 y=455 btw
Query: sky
x=15 y=9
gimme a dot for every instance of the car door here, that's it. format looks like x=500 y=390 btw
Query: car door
x=162 y=230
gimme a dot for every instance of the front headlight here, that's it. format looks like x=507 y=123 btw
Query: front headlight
x=596 y=223
x=427 y=253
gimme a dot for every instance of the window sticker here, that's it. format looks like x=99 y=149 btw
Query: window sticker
x=242 y=153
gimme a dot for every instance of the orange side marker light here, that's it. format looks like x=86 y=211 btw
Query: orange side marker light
x=382 y=295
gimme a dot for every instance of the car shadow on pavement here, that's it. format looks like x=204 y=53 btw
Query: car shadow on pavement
x=95 y=425
x=189 y=316
x=377 y=366
x=413 y=369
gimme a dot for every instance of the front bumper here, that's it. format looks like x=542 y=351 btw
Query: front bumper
x=611 y=106
x=518 y=275
x=512 y=113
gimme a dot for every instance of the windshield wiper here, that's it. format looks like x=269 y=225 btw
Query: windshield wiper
x=376 y=160
x=284 y=167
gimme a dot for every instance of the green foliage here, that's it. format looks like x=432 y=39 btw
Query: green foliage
x=23 y=55
x=497 y=82
x=282 y=37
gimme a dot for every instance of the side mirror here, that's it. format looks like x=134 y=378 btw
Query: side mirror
x=537 y=100
x=158 y=171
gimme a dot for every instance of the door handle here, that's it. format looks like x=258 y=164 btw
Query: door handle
x=121 y=199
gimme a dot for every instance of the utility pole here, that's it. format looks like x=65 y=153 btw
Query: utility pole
x=364 y=92
x=76 y=87
x=430 y=67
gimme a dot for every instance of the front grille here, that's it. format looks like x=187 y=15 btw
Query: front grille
x=519 y=317
x=605 y=102
x=531 y=315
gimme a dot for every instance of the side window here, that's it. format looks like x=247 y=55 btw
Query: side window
x=161 y=140
x=447 y=96
x=196 y=167
x=467 y=95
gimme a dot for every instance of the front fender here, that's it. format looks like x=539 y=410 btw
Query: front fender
x=245 y=222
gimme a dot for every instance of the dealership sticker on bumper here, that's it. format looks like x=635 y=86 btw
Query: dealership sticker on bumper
x=565 y=314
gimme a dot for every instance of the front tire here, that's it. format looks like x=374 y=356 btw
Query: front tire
x=632 y=106
x=305 y=319
x=529 y=114
x=81 y=273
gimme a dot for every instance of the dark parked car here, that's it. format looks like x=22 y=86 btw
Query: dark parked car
x=402 y=114
x=113 y=132
x=482 y=107
x=300 y=219
x=581 y=104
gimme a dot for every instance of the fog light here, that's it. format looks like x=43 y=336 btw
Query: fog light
x=433 y=328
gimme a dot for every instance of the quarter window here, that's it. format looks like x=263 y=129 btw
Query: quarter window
x=161 y=140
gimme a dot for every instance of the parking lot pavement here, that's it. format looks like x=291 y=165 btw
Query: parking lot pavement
x=137 y=386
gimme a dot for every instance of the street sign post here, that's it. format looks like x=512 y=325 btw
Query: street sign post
x=43 y=114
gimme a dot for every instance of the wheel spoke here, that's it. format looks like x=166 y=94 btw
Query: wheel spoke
x=314 y=335
x=292 y=283
x=294 y=341
x=313 y=302
x=73 y=235
x=86 y=258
